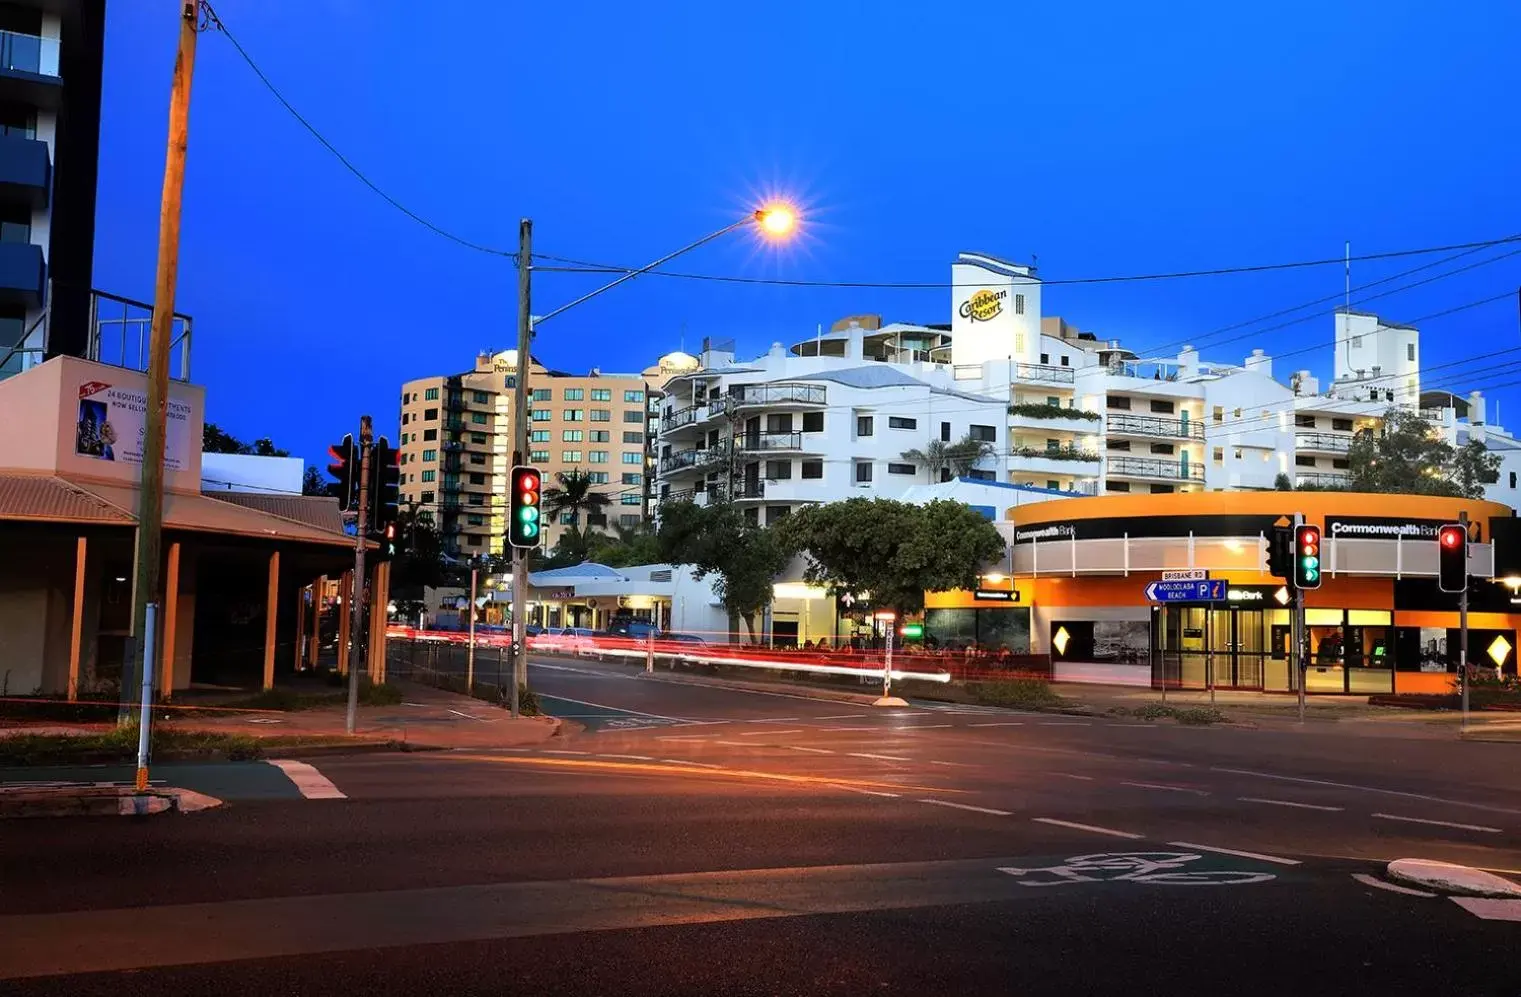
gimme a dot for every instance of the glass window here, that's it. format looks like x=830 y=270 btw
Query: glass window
x=601 y=415
x=574 y=394
x=865 y=424
x=633 y=458
x=474 y=540
x=571 y=436
x=475 y=519
x=986 y=434
x=538 y=456
x=813 y=422
x=574 y=414
x=539 y=415
x=481 y=398
x=633 y=478
x=597 y=477
x=430 y=395
x=430 y=414
x=813 y=469
x=863 y=473
x=430 y=455
x=570 y=456
x=18 y=120
x=478 y=418
x=945 y=432
x=600 y=436
x=633 y=395
x=477 y=458
x=477 y=479
x=430 y=434
x=779 y=470
x=633 y=415
x=427 y=498
x=538 y=436
x=597 y=457
x=780 y=422
x=602 y=394
x=542 y=395
x=900 y=422
x=567 y=519
x=427 y=475
x=901 y=469
x=633 y=437
x=629 y=519
x=631 y=498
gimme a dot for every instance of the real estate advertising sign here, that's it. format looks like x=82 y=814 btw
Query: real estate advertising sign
x=110 y=422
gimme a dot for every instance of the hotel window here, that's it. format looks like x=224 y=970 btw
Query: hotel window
x=538 y=436
x=477 y=458
x=901 y=469
x=540 y=415
x=779 y=422
x=574 y=394
x=427 y=498
x=477 y=479
x=597 y=457
x=601 y=415
x=570 y=456
x=631 y=499
x=863 y=473
x=597 y=477
x=1410 y=352
x=430 y=395
x=1219 y=456
x=1045 y=359
x=478 y=418
x=813 y=469
x=633 y=396
x=538 y=456
x=600 y=436
x=633 y=458
x=865 y=425
x=1019 y=305
x=430 y=414
x=474 y=519
x=571 y=436
x=602 y=394
x=901 y=422
x=427 y=476
x=635 y=478
x=1341 y=425
x=430 y=455
x=629 y=519
x=813 y=422
x=574 y=414
x=430 y=434
x=985 y=434
x=543 y=395
x=633 y=437
x=633 y=415
x=1219 y=413
x=481 y=398
x=779 y=470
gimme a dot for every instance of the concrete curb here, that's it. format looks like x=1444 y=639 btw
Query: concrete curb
x=100 y=801
x=1449 y=878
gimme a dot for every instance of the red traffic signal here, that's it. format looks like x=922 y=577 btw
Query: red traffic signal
x=1307 y=559
x=1452 y=558
x=525 y=525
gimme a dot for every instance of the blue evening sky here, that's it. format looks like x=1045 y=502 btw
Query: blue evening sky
x=1102 y=137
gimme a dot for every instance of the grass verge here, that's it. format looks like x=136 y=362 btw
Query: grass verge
x=120 y=745
x=1021 y=694
x=294 y=700
x=1196 y=716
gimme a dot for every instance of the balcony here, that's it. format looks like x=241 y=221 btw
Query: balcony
x=454 y=402
x=1059 y=462
x=1321 y=479
x=1331 y=443
x=25 y=171
x=1151 y=426
x=22 y=274
x=749 y=491
x=679 y=419
x=777 y=395
x=29 y=69
x=689 y=459
x=1045 y=418
x=770 y=443
x=1044 y=373
x=1152 y=467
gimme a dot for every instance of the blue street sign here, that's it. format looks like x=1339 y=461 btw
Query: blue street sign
x=1205 y=590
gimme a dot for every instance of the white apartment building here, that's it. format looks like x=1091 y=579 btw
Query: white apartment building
x=833 y=416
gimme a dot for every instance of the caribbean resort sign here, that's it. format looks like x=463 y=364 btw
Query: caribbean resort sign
x=983 y=305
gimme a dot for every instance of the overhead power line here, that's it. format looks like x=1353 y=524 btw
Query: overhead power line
x=211 y=19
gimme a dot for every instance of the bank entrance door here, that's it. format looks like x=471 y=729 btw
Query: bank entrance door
x=1239 y=648
x=1200 y=646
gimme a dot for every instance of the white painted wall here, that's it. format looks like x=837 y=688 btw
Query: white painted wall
x=222 y=472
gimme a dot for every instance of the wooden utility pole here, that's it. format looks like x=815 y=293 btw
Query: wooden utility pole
x=150 y=514
x=520 y=456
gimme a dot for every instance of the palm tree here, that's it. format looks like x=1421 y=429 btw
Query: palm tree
x=964 y=454
x=934 y=457
x=574 y=495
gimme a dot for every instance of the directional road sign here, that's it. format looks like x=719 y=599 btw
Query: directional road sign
x=1186 y=575
x=1208 y=590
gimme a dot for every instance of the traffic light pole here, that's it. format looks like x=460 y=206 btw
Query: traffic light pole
x=1463 y=624
x=520 y=456
x=357 y=590
x=1300 y=638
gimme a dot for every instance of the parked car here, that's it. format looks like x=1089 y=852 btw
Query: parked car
x=635 y=629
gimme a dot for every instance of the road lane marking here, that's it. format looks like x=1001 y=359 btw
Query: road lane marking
x=880 y=758
x=631 y=758
x=848 y=728
x=1441 y=823
x=1288 y=803
x=597 y=764
x=923 y=726
x=768 y=733
x=1368 y=789
x=1231 y=851
x=1087 y=827
x=1069 y=775
x=688 y=737
x=1170 y=789
x=968 y=806
x=567 y=751
x=868 y=792
x=1001 y=723
x=735 y=744
x=312 y=784
x=774 y=720
x=1062 y=723
x=844 y=716
x=811 y=751
x=959 y=765
x=1367 y=880
x=683 y=761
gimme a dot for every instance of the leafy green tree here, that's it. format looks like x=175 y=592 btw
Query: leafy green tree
x=627 y=545
x=932 y=457
x=419 y=559
x=893 y=552
x=965 y=453
x=214 y=439
x=1406 y=455
x=314 y=482
x=717 y=539
x=575 y=494
x=1283 y=483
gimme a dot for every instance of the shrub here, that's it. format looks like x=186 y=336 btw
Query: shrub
x=1040 y=410
x=1026 y=694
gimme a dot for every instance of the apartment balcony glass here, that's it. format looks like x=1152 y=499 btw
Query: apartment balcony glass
x=1321 y=479
x=1052 y=463
x=25 y=170
x=1124 y=424
x=773 y=395
x=685 y=459
x=1336 y=443
x=29 y=57
x=1152 y=467
x=679 y=418
x=749 y=490
x=769 y=442
x=1044 y=373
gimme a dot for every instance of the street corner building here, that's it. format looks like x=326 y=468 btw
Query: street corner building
x=235 y=563
x=1379 y=623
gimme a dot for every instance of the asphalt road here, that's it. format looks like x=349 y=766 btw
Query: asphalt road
x=698 y=840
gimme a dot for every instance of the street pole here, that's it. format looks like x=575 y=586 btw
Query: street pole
x=470 y=652
x=1463 y=623
x=150 y=515
x=366 y=435
x=520 y=454
x=887 y=662
x=1300 y=657
x=145 y=716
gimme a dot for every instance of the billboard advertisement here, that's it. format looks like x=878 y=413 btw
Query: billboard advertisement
x=109 y=423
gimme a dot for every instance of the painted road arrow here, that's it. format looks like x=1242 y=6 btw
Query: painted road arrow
x=1206 y=590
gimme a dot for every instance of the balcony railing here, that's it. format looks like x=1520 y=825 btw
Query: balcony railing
x=746 y=395
x=679 y=418
x=1058 y=453
x=1321 y=479
x=1327 y=442
x=1044 y=373
x=749 y=490
x=28 y=53
x=687 y=458
x=763 y=442
x=1150 y=425
x=1151 y=467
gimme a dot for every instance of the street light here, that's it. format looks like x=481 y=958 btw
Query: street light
x=776 y=220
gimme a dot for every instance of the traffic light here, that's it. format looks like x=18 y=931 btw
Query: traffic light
x=1452 y=558
x=386 y=538
x=526 y=508
x=1281 y=552
x=1307 y=557
x=385 y=485
x=345 y=468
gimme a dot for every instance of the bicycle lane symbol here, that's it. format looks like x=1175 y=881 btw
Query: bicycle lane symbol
x=1154 y=868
